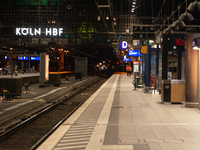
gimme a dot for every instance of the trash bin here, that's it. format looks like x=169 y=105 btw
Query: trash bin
x=55 y=79
x=137 y=81
x=167 y=92
x=78 y=75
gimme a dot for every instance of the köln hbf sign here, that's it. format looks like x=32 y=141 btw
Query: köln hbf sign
x=39 y=31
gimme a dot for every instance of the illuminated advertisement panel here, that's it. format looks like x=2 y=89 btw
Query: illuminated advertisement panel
x=123 y=44
x=134 y=53
x=47 y=68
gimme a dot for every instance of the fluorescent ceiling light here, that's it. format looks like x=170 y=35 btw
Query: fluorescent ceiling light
x=133 y=5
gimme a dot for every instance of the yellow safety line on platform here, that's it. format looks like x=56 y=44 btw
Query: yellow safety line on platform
x=120 y=72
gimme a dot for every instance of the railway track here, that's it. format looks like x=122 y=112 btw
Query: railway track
x=31 y=132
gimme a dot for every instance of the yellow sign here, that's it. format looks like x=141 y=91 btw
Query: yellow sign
x=144 y=50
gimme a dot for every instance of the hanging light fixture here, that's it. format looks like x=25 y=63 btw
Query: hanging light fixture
x=186 y=15
x=192 y=6
x=178 y=23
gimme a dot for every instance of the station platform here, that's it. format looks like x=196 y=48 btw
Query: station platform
x=116 y=117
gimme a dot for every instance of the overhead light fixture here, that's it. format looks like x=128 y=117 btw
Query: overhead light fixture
x=182 y=24
x=186 y=15
x=133 y=5
x=178 y=23
x=192 y=6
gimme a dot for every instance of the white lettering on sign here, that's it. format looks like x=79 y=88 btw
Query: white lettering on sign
x=38 y=31
x=124 y=44
x=55 y=32
x=18 y=31
x=48 y=31
x=60 y=31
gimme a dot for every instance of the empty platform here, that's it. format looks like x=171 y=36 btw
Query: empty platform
x=117 y=117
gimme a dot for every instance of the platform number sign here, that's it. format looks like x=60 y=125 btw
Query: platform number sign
x=123 y=45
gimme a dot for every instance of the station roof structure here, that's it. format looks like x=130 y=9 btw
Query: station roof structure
x=90 y=25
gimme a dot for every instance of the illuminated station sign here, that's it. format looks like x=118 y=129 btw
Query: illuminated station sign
x=123 y=45
x=39 y=31
x=134 y=53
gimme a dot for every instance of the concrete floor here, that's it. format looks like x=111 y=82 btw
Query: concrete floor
x=116 y=117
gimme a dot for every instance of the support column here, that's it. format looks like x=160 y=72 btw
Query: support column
x=42 y=69
x=148 y=67
x=157 y=60
x=164 y=65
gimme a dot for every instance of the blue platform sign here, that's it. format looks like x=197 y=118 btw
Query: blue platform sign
x=126 y=59
x=35 y=58
x=134 y=53
x=23 y=58
x=123 y=44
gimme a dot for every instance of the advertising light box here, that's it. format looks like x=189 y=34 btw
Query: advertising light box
x=134 y=53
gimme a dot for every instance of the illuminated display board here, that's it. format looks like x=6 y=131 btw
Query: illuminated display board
x=134 y=53
x=23 y=58
x=123 y=44
x=39 y=31
x=35 y=58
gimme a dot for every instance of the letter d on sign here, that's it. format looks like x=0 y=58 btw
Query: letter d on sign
x=21 y=2
x=124 y=44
